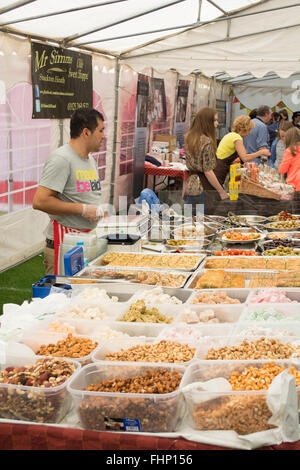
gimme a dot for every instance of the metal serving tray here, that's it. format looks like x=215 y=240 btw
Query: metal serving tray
x=211 y=229
x=292 y=235
x=86 y=275
x=249 y=275
x=273 y=229
x=272 y=218
x=97 y=261
x=259 y=259
x=238 y=242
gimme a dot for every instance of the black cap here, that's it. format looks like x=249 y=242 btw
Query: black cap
x=296 y=114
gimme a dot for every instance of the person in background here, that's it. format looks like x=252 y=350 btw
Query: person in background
x=200 y=148
x=259 y=136
x=273 y=127
x=283 y=115
x=296 y=119
x=69 y=190
x=278 y=145
x=232 y=147
x=290 y=164
x=253 y=113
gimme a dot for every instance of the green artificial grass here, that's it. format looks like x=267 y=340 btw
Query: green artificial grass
x=16 y=283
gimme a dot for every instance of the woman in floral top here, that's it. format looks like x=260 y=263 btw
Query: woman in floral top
x=200 y=147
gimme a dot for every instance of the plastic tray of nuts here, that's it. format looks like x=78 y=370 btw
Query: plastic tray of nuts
x=245 y=411
x=247 y=348
x=43 y=403
x=78 y=347
x=159 y=411
x=145 y=350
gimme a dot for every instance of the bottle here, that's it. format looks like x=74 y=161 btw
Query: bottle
x=84 y=253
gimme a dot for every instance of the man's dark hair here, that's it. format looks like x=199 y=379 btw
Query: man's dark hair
x=82 y=118
x=263 y=110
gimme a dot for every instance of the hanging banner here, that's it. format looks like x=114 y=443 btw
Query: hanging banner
x=157 y=105
x=61 y=81
x=181 y=110
x=140 y=134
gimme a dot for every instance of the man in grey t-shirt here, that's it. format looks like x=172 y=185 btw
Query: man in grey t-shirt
x=69 y=190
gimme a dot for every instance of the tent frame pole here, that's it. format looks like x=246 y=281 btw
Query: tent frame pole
x=56 y=13
x=204 y=23
x=226 y=39
x=15 y=5
x=66 y=41
x=115 y=132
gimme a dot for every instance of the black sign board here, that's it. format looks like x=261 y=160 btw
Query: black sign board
x=61 y=81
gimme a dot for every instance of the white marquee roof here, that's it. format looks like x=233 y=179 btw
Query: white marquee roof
x=232 y=37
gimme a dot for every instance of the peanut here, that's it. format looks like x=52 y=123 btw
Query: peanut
x=71 y=346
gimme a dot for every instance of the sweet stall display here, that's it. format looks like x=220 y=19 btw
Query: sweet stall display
x=172 y=342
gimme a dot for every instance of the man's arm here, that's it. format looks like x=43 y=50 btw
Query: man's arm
x=46 y=200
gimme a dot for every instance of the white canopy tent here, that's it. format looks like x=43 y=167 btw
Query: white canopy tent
x=216 y=44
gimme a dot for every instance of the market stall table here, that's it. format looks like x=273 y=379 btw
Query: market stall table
x=43 y=437
x=166 y=171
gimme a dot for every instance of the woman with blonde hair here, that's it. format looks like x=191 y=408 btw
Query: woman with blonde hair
x=200 y=147
x=232 y=147
x=290 y=164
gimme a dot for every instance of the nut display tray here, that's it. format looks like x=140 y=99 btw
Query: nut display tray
x=244 y=412
x=218 y=342
x=118 y=346
x=143 y=260
x=37 y=404
x=144 y=276
x=107 y=411
x=35 y=339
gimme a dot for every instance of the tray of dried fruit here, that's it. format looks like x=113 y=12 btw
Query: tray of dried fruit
x=173 y=261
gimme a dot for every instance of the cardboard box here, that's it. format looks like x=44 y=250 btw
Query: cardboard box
x=233 y=190
x=171 y=139
x=235 y=171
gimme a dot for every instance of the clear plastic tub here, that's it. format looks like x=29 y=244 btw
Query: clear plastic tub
x=34 y=340
x=169 y=311
x=118 y=346
x=98 y=329
x=291 y=293
x=218 y=342
x=37 y=404
x=104 y=411
x=224 y=313
x=244 y=412
x=278 y=330
x=288 y=312
x=239 y=294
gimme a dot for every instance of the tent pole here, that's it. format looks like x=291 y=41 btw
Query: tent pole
x=68 y=39
x=172 y=127
x=115 y=131
x=204 y=23
x=15 y=5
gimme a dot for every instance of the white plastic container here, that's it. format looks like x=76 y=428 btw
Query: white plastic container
x=107 y=411
x=115 y=346
x=34 y=340
x=244 y=412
